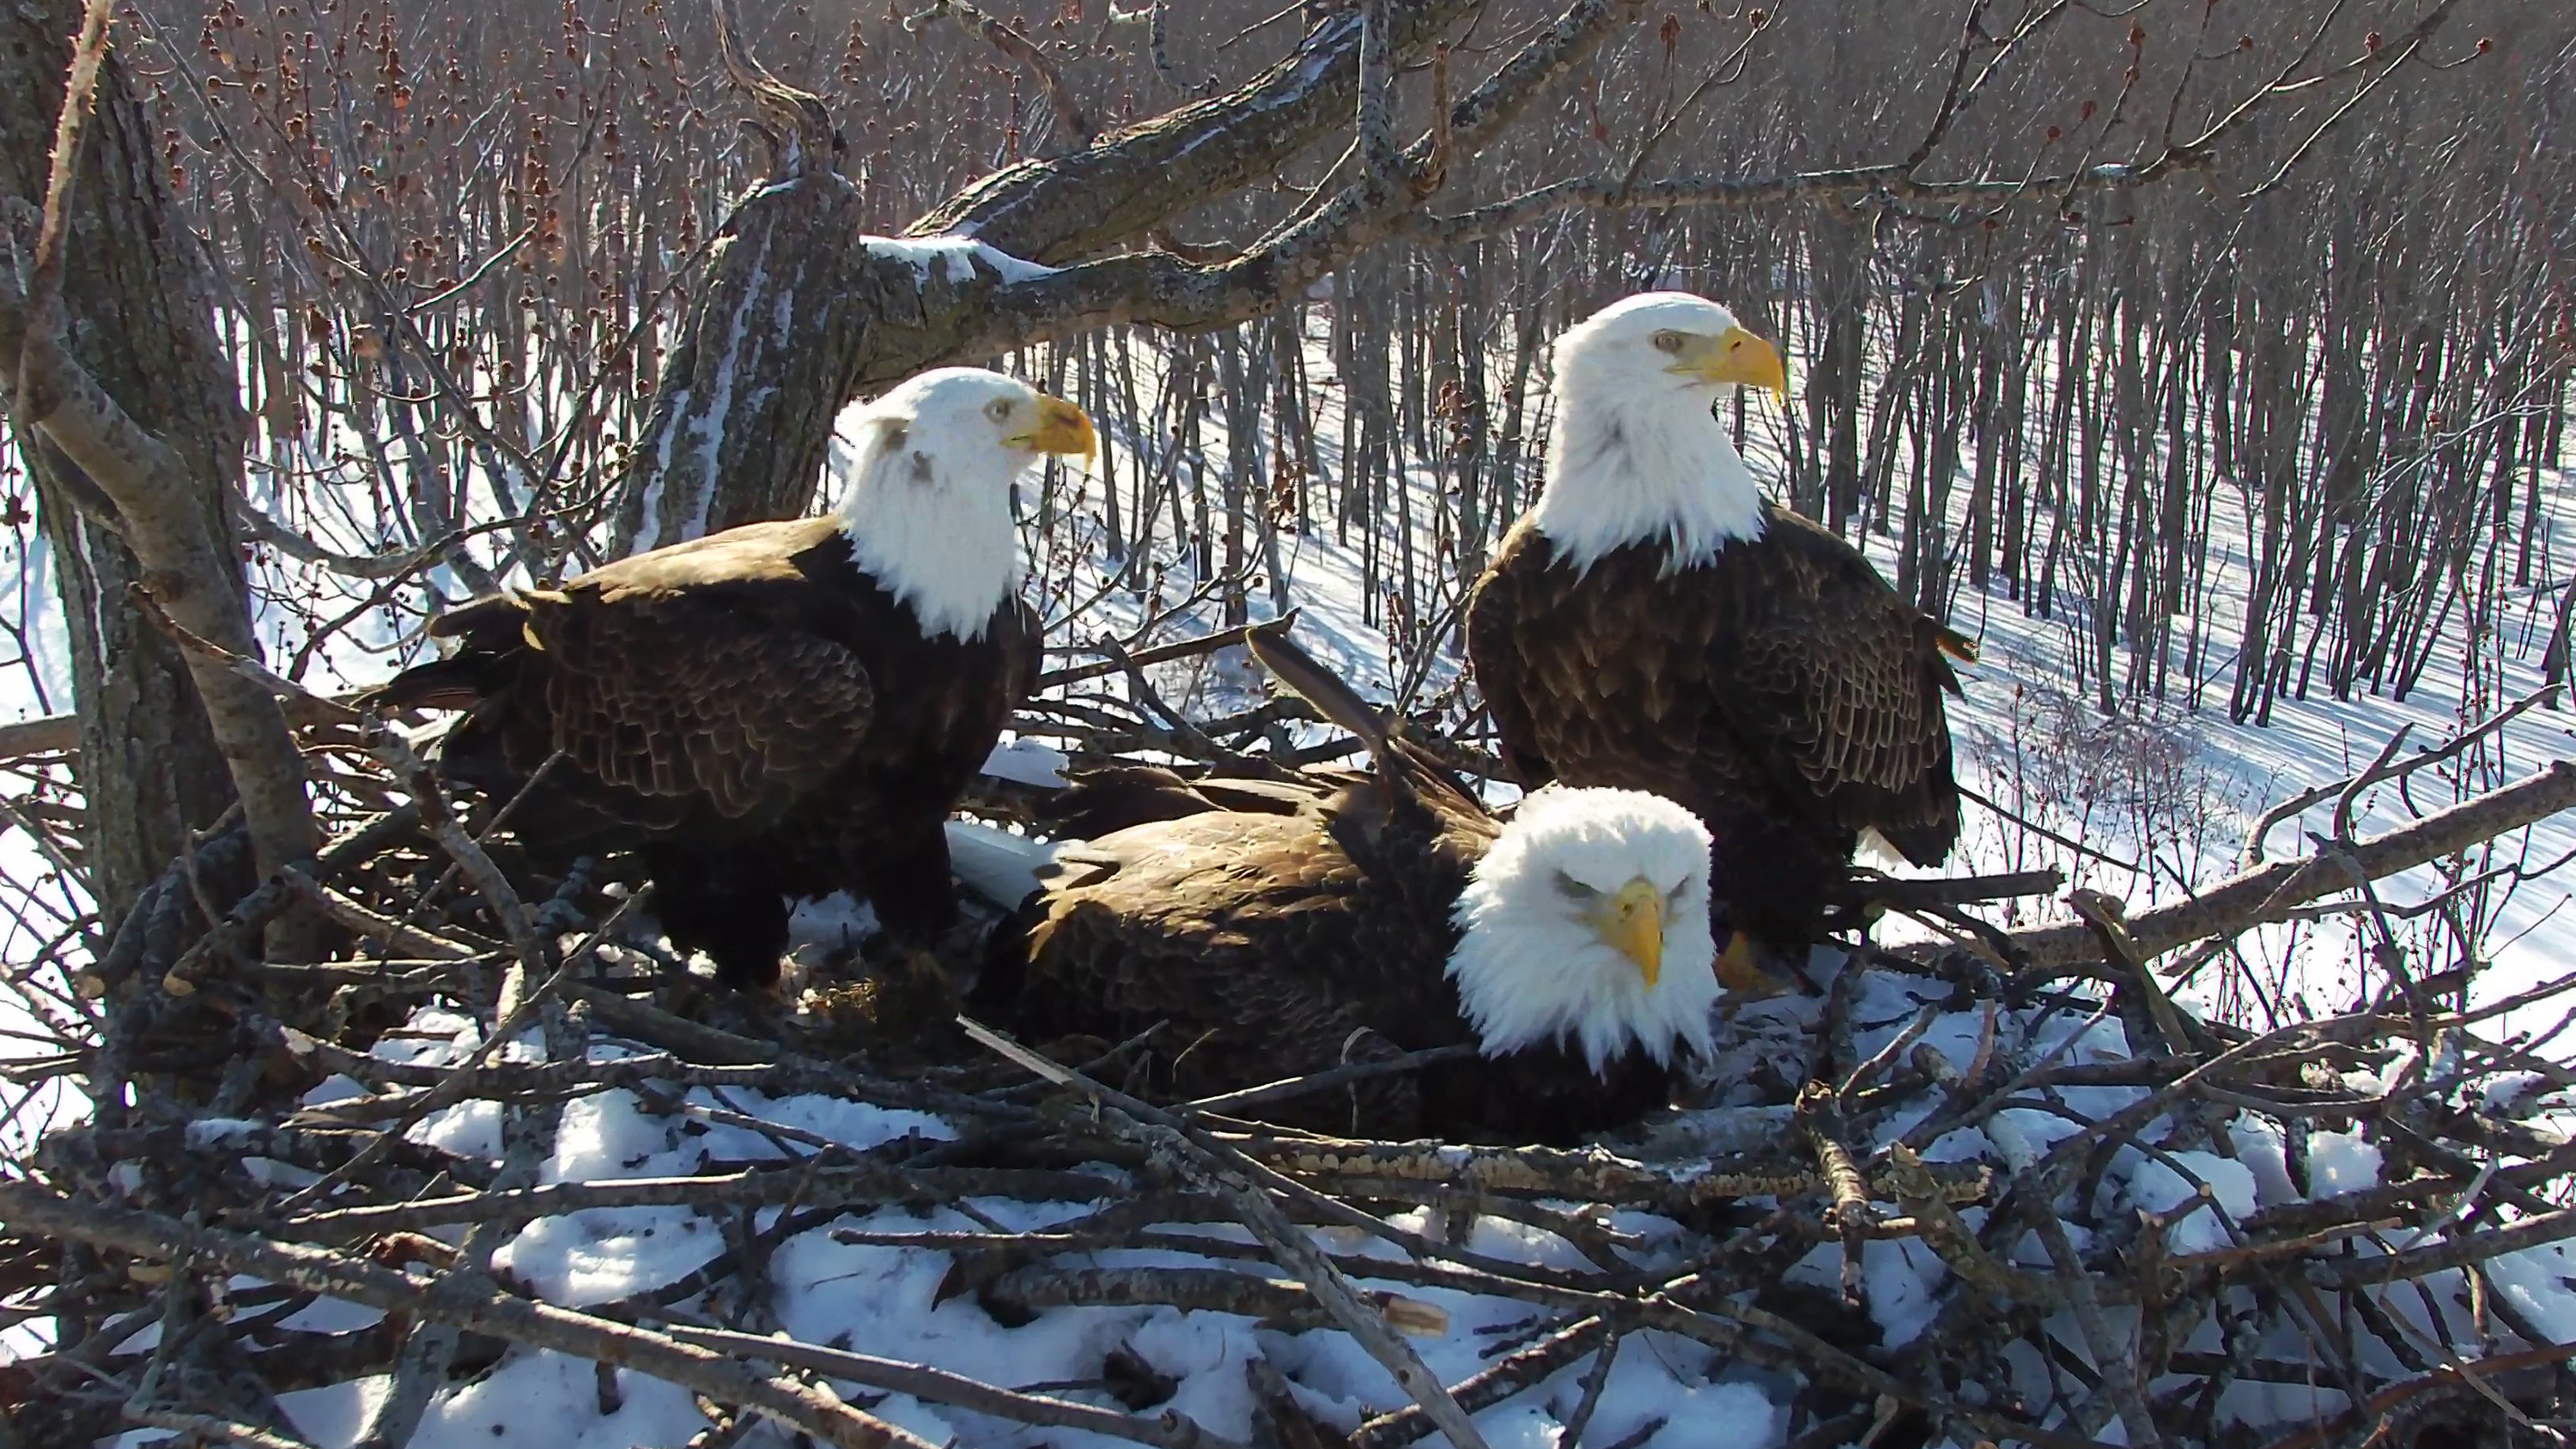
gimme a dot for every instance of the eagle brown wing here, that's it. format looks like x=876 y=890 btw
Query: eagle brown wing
x=1110 y=798
x=1494 y=650
x=1266 y=945
x=1831 y=671
x=695 y=694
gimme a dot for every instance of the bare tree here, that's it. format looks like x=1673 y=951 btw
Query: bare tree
x=510 y=298
x=133 y=427
x=802 y=312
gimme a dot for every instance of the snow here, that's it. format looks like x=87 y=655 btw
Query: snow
x=831 y=925
x=955 y=259
x=2205 y=1184
x=2514 y=1094
x=2018 y=726
x=2340 y=1164
x=2261 y=1148
x=994 y=863
x=540 y=1399
x=1900 y=1278
x=214 y=1132
x=2541 y=1283
x=1026 y=762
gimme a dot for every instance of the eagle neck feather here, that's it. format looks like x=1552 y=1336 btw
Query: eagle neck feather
x=1657 y=469
x=945 y=549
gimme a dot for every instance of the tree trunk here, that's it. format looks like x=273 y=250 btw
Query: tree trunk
x=802 y=311
x=149 y=769
x=769 y=355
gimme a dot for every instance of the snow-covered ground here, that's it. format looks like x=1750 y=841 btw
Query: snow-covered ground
x=2172 y=793
x=2166 y=788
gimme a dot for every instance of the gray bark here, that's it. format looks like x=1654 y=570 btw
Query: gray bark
x=149 y=765
x=800 y=316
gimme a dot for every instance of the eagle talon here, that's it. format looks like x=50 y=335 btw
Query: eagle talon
x=1744 y=970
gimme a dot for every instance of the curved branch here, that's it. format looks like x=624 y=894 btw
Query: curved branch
x=1133 y=180
x=800 y=130
x=1166 y=291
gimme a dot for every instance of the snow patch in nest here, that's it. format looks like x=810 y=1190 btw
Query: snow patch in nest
x=2341 y=1163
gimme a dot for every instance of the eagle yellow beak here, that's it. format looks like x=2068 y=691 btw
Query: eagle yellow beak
x=1061 y=428
x=1632 y=924
x=1735 y=356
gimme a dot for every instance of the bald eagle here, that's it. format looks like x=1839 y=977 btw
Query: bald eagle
x=1278 y=931
x=781 y=709
x=1654 y=624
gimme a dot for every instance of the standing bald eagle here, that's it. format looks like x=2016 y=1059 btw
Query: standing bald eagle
x=1277 y=936
x=1654 y=624
x=780 y=709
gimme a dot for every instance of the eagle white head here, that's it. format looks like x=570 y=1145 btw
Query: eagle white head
x=1587 y=923
x=927 y=497
x=1638 y=454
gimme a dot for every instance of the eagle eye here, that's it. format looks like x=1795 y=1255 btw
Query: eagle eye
x=1668 y=341
x=999 y=409
x=1575 y=890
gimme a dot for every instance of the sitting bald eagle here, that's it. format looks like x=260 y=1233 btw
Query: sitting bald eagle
x=780 y=709
x=1654 y=624
x=1349 y=917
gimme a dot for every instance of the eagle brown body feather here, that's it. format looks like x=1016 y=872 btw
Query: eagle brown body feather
x=1117 y=797
x=1781 y=691
x=1279 y=928
x=1272 y=944
x=754 y=712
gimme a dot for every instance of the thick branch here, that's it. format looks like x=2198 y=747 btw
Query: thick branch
x=1164 y=291
x=1134 y=180
x=1377 y=83
x=2267 y=893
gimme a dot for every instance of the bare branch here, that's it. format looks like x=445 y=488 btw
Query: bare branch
x=451 y=1299
x=2256 y=896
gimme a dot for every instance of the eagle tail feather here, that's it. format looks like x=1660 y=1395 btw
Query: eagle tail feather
x=454 y=683
x=1328 y=692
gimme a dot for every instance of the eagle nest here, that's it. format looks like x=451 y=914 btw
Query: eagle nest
x=497 y=1171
